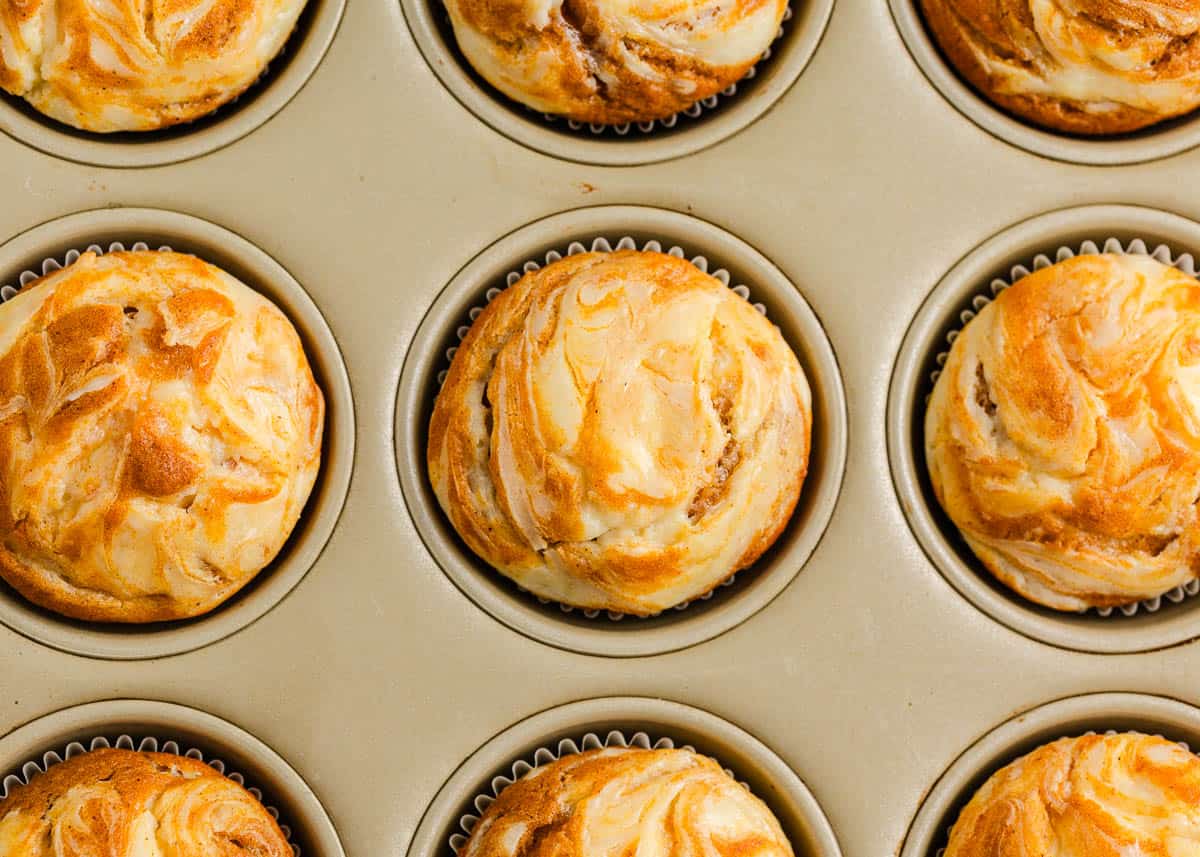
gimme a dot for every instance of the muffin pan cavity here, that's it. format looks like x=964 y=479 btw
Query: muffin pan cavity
x=283 y=79
x=1070 y=717
x=697 y=128
x=129 y=226
x=1160 y=141
x=751 y=589
x=613 y=721
x=1172 y=619
x=155 y=726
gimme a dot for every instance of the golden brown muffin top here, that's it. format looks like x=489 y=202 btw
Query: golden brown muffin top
x=1095 y=796
x=1081 y=66
x=160 y=432
x=613 y=61
x=1063 y=436
x=620 y=431
x=137 y=65
x=605 y=803
x=121 y=803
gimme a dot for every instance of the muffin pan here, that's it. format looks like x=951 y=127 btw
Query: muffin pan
x=867 y=652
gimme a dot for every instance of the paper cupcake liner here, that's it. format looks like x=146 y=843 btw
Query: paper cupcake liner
x=941 y=851
x=695 y=111
x=50 y=265
x=601 y=245
x=151 y=744
x=1137 y=247
x=546 y=755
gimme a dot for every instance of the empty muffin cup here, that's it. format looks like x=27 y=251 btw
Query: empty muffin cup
x=279 y=83
x=53 y=245
x=1071 y=717
x=626 y=227
x=703 y=124
x=1164 y=620
x=161 y=727
x=1158 y=141
x=619 y=722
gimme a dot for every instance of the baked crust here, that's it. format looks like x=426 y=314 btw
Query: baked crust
x=137 y=65
x=609 y=62
x=1063 y=435
x=1098 y=795
x=128 y=804
x=1090 y=67
x=653 y=803
x=620 y=431
x=160 y=432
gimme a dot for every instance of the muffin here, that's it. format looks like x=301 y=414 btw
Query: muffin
x=607 y=62
x=1089 y=67
x=656 y=803
x=108 y=67
x=620 y=431
x=160 y=432
x=1095 y=796
x=1063 y=435
x=119 y=802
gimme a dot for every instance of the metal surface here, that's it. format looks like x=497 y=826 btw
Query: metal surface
x=376 y=677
